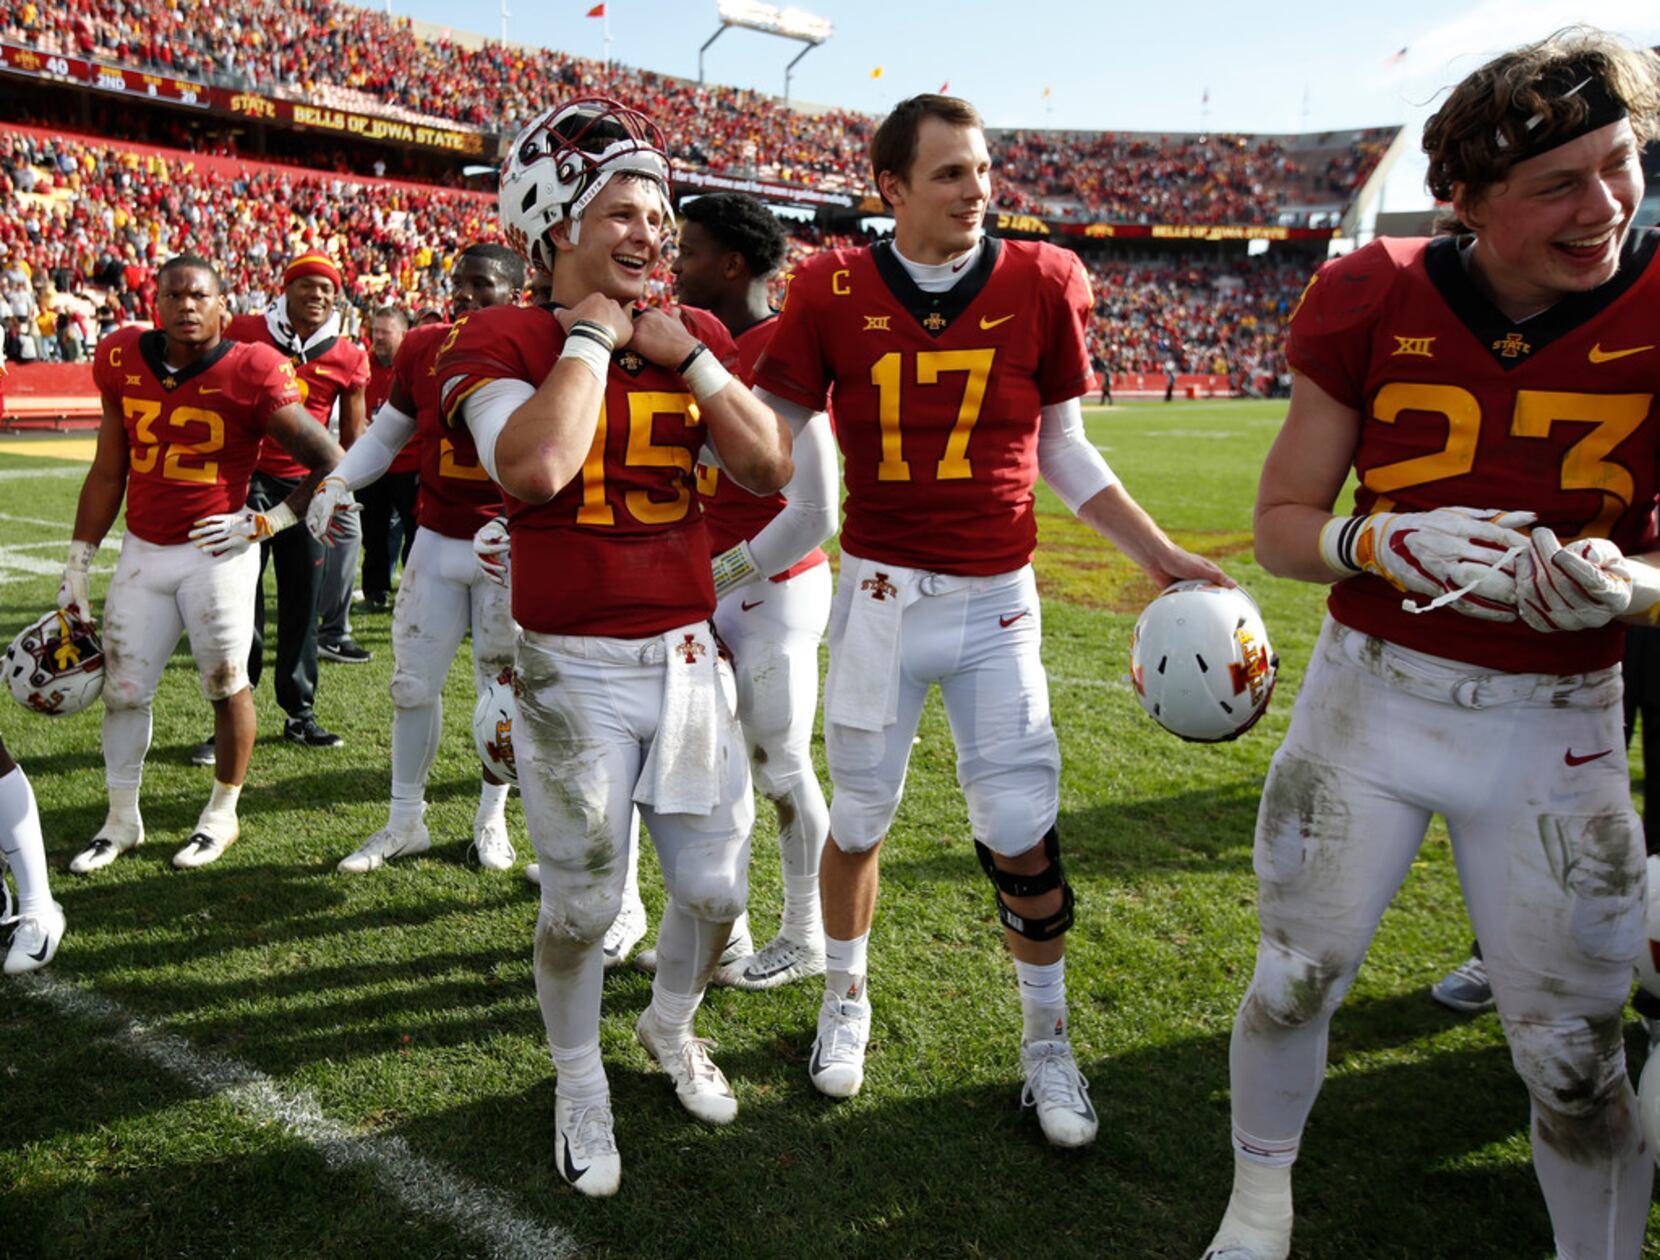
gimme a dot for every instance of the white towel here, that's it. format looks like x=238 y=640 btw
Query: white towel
x=681 y=774
x=282 y=332
x=863 y=689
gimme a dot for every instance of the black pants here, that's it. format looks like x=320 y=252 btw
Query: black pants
x=1642 y=695
x=388 y=526
x=297 y=559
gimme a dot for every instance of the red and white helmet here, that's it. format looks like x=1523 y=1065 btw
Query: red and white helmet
x=56 y=665
x=561 y=161
x=493 y=719
x=1201 y=663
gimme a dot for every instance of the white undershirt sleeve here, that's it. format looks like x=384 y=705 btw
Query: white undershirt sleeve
x=486 y=412
x=1067 y=459
x=809 y=515
x=372 y=454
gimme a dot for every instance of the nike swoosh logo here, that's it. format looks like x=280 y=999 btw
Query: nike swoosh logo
x=987 y=324
x=573 y=1174
x=815 y=1067
x=1568 y=757
x=45 y=945
x=1006 y=622
x=746 y=606
x=1599 y=355
x=206 y=390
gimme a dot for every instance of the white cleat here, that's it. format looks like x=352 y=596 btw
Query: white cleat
x=1059 y=1092
x=35 y=940
x=491 y=843
x=585 y=1147
x=384 y=845
x=533 y=873
x=111 y=843
x=627 y=930
x=838 y=1062
x=739 y=946
x=698 y=1083
x=780 y=961
x=202 y=849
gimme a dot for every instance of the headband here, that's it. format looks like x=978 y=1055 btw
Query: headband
x=1522 y=136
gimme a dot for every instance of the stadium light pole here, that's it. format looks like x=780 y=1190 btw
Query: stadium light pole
x=769 y=20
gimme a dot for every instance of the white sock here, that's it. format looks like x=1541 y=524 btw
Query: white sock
x=1259 y=1211
x=123 y=823
x=1042 y=999
x=492 y=803
x=845 y=967
x=408 y=805
x=673 y=1011
x=803 y=921
x=218 y=818
x=21 y=844
x=581 y=1073
x=415 y=731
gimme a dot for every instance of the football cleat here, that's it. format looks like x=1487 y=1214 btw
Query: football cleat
x=493 y=719
x=1200 y=661
x=55 y=665
x=34 y=940
x=1059 y=1092
x=384 y=845
x=837 y=1066
x=492 y=845
x=1465 y=987
x=202 y=850
x=205 y=753
x=698 y=1083
x=626 y=931
x=780 y=961
x=739 y=946
x=108 y=846
x=585 y=1146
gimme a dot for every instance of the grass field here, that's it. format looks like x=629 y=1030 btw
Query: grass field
x=264 y=1058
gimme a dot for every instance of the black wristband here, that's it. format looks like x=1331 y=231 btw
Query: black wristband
x=593 y=335
x=596 y=330
x=690 y=358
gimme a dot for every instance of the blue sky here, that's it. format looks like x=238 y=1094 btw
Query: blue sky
x=1288 y=66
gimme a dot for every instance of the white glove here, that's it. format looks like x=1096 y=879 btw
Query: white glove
x=1578 y=587
x=491 y=548
x=232 y=532
x=733 y=568
x=331 y=496
x=73 y=594
x=1435 y=553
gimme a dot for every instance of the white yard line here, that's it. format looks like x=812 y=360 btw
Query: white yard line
x=26 y=474
x=1111 y=684
x=7 y=517
x=418 y=1183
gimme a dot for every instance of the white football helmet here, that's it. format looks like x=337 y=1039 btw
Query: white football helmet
x=493 y=718
x=558 y=164
x=1201 y=663
x=56 y=665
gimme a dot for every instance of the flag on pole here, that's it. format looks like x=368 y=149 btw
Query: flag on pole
x=1395 y=59
x=876 y=73
x=597 y=11
x=1205 y=99
x=945 y=87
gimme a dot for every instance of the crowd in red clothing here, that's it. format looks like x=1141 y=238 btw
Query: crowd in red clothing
x=365 y=59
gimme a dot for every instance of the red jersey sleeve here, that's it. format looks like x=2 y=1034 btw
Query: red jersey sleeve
x=359 y=377
x=1064 y=372
x=481 y=347
x=114 y=350
x=793 y=366
x=405 y=363
x=711 y=332
x=1329 y=339
x=274 y=385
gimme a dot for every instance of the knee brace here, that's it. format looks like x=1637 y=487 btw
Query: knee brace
x=1009 y=884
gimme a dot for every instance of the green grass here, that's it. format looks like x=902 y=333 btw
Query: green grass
x=403 y=1003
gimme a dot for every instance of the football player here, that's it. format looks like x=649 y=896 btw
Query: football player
x=771 y=578
x=443 y=594
x=185 y=412
x=38 y=920
x=333 y=370
x=958 y=363
x=590 y=415
x=1511 y=364
x=389 y=502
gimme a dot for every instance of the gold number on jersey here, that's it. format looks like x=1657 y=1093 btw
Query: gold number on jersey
x=1457 y=455
x=1584 y=466
x=142 y=455
x=450 y=466
x=643 y=409
x=708 y=477
x=887 y=375
x=595 y=510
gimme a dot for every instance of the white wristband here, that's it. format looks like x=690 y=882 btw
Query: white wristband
x=1645 y=591
x=81 y=553
x=280 y=517
x=733 y=568
x=707 y=376
x=1331 y=540
x=589 y=352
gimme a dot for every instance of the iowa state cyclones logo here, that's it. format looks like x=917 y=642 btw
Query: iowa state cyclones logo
x=501 y=747
x=879 y=587
x=1250 y=673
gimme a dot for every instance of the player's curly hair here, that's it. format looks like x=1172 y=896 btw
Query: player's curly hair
x=743 y=225
x=1463 y=138
x=893 y=147
x=507 y=262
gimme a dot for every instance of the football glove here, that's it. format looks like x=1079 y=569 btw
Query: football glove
x=1435 y=553
x=73 y=593
x=1578 y=587
x=232 y=532
x=733 y=568
x=332 y=496
x=492 y=548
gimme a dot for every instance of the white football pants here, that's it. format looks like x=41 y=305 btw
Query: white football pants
x=1529 y=772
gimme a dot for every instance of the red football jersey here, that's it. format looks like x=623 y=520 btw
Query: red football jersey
x=334 y=367
x=937 y=394
x=375 y=393
x=730 y=513
x=1462 y=407
x=192 y=435
x=457 y=495
x=621 y=550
